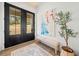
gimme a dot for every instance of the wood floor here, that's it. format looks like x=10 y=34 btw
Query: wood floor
x=7 y=51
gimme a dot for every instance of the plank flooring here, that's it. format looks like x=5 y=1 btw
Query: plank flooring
x=7 y=51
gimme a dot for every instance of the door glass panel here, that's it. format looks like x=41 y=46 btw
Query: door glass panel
x=14 y=21
x=18 y=21
x=29 y=22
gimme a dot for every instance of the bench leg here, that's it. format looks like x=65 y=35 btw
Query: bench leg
x=55 y=52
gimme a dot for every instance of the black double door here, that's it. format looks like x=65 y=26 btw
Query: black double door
x=19 y=25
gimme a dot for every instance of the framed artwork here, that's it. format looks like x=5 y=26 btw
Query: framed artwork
x=48 y=23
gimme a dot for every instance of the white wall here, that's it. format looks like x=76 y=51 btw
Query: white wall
x=19 y=4
x=74 y=9
x=1 y=26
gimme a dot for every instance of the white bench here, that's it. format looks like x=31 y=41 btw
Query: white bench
x=51 y=42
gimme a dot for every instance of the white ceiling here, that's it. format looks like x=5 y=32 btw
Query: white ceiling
x=34 y=4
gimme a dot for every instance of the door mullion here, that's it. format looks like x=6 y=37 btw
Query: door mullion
x=23 y=22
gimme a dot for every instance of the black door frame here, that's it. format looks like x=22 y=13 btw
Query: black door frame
x=24 y=36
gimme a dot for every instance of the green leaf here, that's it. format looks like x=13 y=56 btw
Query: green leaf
x=64 y=18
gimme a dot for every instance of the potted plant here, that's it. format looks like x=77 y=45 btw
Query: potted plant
x=65 y=32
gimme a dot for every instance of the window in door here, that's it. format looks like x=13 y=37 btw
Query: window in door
x=29 y=22
x=14 y=21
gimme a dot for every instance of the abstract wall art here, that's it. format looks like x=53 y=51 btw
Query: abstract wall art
x=48 y=23
x=44 y=30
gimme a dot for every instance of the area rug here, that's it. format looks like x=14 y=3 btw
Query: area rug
x=30 y=50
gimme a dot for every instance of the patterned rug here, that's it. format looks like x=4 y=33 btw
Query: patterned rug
x=30 y=50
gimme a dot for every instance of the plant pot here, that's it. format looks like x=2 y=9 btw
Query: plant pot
x=66 y=51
